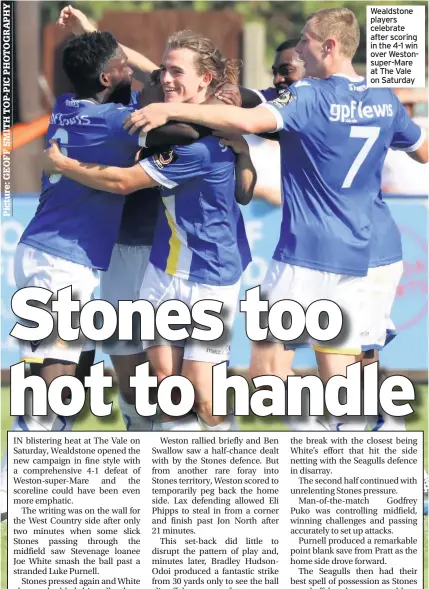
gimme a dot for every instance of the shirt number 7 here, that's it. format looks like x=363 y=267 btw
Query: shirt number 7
x=370 y=134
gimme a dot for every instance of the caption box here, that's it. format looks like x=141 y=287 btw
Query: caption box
x=395 y=46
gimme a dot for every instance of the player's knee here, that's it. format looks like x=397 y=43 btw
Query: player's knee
x=252 y=371
x=161 y=372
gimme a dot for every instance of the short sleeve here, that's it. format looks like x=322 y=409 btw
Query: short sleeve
x=176 y=166
x=407 y=135
x=293 y=107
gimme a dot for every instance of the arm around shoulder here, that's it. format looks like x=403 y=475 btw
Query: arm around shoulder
x=120 y=181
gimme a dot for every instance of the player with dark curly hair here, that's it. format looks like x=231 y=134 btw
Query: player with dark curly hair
x=74 y=229
x=86 y=59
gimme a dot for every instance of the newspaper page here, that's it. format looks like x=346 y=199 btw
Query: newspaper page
x=214 y=294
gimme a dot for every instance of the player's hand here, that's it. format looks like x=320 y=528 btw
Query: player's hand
x=51 y=158
x=229 y=94
x=147 y=118
x=236 y=142
x=74 y=21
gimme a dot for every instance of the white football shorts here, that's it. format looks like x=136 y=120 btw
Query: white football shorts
x=122 y=282
x=158 y=287
x=305 y=286
x=380 y=285
x=34 y=267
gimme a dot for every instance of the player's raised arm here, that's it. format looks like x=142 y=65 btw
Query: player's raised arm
x=223 y=118
x=76 y=22
x=140 y=63
x=120 y=181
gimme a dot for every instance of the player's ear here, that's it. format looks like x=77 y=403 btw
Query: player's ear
x=206 y=79
x=104 y=79
x=330 y=45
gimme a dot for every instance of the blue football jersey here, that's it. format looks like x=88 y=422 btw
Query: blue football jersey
x=140 y=210
x=200 y=233
x=72 y=221
x=385 y=245
x=334 y=136
x=139 y=217
x=267 y=94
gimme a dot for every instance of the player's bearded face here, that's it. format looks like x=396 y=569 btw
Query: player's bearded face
x=287 y=69
x=121 y=79
x=180 y=79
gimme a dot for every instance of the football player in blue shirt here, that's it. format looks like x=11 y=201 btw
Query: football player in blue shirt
x=334 y=135
x=287 y=68
x=123 y=277
x=63 y=245
x=130 y=256
x=384 y=273
x=200 y=248
x=385 y=265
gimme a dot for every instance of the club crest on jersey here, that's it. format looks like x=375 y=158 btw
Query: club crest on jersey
x=163 y=159
x=283 y=99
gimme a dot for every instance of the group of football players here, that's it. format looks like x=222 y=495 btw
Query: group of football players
x=146 y=189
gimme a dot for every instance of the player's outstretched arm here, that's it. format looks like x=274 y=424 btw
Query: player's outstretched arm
x=228 y=119
x=119 y=181
x=245 y=173
x=249 y=99
x=76 y=22
x=175 y=133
